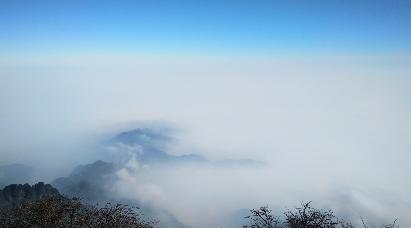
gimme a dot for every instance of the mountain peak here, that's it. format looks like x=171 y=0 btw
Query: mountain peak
x=15 y=194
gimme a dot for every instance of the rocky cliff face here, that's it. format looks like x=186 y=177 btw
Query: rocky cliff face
x=14 y=194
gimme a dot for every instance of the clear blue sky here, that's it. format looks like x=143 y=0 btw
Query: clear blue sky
x=199 y=27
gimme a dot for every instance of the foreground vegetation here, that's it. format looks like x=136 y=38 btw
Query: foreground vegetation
x=302 y=217
x=61 y=212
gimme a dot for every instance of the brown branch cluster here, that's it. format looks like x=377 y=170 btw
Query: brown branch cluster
x=304 y=216
x=61 y=212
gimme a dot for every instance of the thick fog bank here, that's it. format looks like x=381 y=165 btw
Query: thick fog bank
x=223 y=136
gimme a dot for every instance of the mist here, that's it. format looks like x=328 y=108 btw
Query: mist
x=332 y=130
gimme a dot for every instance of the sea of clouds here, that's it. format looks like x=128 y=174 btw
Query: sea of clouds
x=336 y=132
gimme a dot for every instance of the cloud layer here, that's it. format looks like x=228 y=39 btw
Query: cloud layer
x=331 y=130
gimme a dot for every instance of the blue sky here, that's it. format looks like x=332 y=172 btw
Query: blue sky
x=205 y=27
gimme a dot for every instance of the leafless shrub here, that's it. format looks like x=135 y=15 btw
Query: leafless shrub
x=309 y=217
x=262 y=217
x=392 y=225
x=61 y=212
x=304 y=216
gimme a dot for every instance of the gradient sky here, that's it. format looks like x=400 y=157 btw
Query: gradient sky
x=306 y=86
x=205 y=27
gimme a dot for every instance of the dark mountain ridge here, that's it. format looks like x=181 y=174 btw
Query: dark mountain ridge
x=15 y=194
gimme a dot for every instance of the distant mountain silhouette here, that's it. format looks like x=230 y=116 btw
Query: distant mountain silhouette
x=15 y=194
x=92 y=183
x=87 y=181
x=149 y=146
